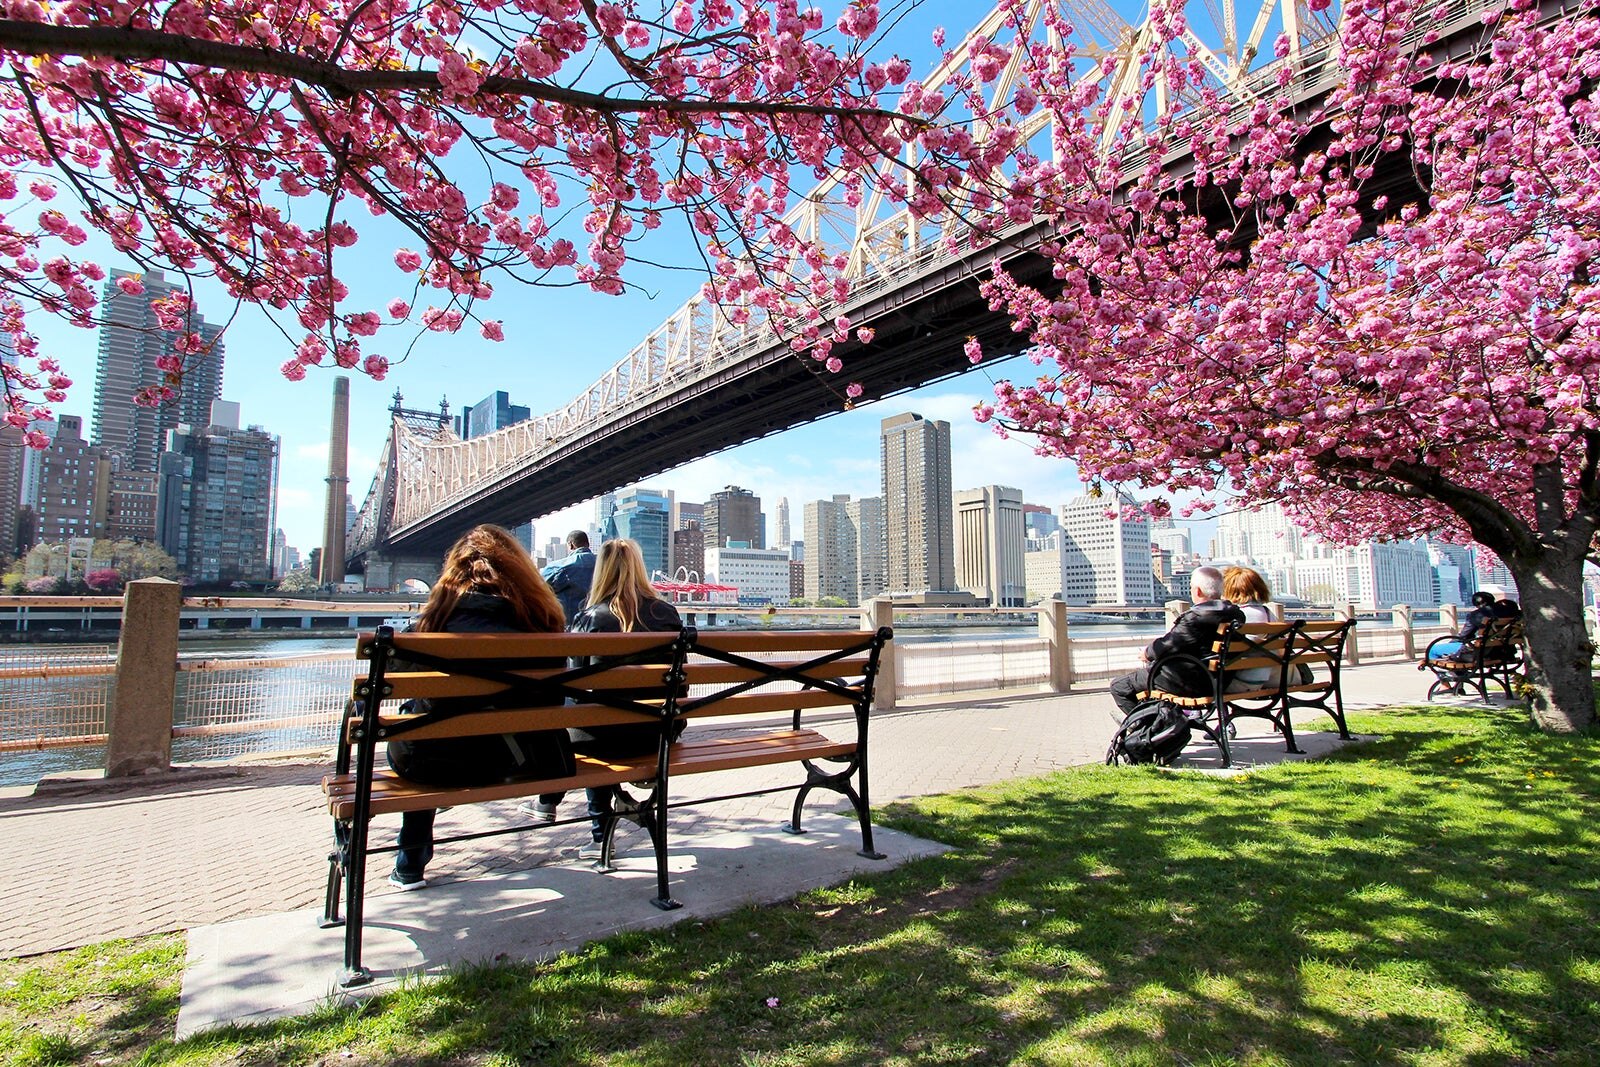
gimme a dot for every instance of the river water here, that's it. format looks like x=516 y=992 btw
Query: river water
x=277 y=692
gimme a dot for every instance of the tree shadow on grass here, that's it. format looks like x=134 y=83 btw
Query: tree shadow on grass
x=1430 y=896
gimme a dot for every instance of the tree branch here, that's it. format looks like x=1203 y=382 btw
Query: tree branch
x=108 y=42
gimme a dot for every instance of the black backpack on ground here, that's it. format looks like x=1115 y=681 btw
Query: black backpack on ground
x=1155 y=731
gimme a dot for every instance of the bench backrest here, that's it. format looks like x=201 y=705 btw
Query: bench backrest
x=639 y=677
x=1319 y=644
x=743 y=673
x=1253 y=646
x=524 y=680
x=1499 y=639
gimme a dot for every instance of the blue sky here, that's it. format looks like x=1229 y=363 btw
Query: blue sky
x=557 y=342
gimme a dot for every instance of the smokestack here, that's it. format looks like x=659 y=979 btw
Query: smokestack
x=338 y=483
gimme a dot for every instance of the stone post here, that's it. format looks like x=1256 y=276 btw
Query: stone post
x=1447 y=617
x=1277 y=611
x=1058 y=644
x=1174 y=609
x=1352 y=651
x=139 y=718
x=1402 y=622
x=876 y=613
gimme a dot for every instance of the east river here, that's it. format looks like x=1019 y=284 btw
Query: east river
x=278 y=690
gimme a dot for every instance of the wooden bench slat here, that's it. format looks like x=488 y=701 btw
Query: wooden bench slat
x=512 y=721
x=391 y=793
x=758 y=703
x=521 y=646
x=778 y=640
x=434 y=685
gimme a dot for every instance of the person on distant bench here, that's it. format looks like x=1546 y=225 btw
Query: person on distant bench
x=1481 y=615
x=571 y=576
x=1194 y=632
x=1246 y=588
x=489 y=585
x=621 y=600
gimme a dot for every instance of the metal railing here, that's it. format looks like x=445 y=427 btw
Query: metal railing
x=57 y=696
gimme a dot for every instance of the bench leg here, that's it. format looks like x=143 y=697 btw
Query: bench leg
x=839 y=783
x=355 y=870
x=864 y=816
x=1219 y=735
x=330 y=900
x=655 y=821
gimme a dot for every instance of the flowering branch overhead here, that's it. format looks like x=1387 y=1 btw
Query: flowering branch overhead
x=195 y=136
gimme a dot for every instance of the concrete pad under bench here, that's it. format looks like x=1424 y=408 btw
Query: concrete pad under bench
x=268 y=967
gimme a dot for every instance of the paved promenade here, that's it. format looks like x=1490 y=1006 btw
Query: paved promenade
x=96 y=860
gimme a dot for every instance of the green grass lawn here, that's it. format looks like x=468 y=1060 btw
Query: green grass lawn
x=1430 y=898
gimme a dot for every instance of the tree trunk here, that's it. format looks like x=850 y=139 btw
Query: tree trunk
x=1560 y=671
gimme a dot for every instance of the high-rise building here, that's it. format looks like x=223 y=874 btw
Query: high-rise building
x=1038 y=521
x=33 y=465
x=132 y=341
x=843 y=549
x=989 y=545
x=830 y=550
x=493 y=412
x=131 y=506
x=642 y=514
x=1377 y=574
x=783 y=538
x=797 y=579
x=12 y=451
x=74 y=485
x=1261 y=536
x=1044 y=567
x=866 y=518
x=733 y=516
x=1455 y=570
x=1107 y=556
x=689 y=551
x=217 y=502
x=918 y=523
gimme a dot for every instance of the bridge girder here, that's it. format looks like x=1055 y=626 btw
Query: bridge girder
x=702 y=382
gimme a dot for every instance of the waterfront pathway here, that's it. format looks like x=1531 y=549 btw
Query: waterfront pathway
x=92 y=860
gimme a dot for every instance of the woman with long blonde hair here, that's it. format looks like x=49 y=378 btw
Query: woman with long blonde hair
x=488 y=585
x=621 y=600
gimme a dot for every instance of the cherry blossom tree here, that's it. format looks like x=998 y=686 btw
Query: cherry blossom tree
x=1382 y=313
x=517 y=141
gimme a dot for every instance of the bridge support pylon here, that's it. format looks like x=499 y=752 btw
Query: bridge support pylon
x=387 y=571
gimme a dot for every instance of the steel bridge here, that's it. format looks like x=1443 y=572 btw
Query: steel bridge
x=700 y=383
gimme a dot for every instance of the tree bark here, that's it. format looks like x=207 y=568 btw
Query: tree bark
x=1560 y=670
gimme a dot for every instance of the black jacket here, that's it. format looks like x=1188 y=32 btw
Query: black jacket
x=656 y=616
x=462 y=761
x=1194 y=632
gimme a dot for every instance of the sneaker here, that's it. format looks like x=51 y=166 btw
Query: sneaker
x=537 y=812
x=592 y=851
x=398 y=881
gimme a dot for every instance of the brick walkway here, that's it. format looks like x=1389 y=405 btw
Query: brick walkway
x=111 y=860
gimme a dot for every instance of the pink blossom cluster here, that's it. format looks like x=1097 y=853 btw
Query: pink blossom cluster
x=1420 y=357
x=247 y=142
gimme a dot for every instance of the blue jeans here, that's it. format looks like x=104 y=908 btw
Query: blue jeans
x=1445 y=650
x=416 y=844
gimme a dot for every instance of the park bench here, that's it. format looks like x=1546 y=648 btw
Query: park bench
x=1496 y=653
x=1304 y=658
x=739 y=678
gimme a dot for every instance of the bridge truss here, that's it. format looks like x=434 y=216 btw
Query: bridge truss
x=426 y=469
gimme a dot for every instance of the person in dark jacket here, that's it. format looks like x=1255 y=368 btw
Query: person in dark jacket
x=571 y=576
x=1194 y=632
x=489 y=585
x=1481 y=615
x=621 y=600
